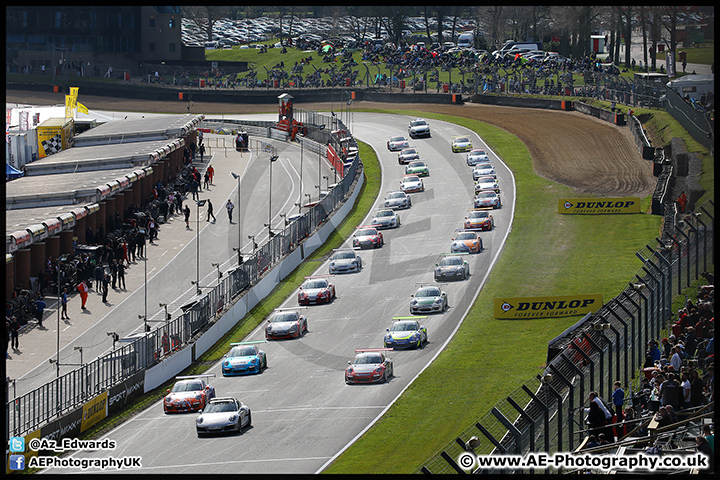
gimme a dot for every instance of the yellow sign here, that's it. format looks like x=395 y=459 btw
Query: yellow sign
x=94 y=411
x=596 y=206
x=541 y=307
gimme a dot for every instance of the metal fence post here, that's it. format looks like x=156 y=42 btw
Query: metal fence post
x=511 y=428
x=589 y=361
x=528 y=419
x=636 y=354
x=546 y=416
x=567 y=382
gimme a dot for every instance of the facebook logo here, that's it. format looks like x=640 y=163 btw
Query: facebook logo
x=17 y=462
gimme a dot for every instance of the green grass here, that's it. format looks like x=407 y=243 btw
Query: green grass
x=546 y=254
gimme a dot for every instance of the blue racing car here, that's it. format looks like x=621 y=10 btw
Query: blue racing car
x=243 y=359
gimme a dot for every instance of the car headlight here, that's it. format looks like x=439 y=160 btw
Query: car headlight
x=413 y=301
x=232 y=418
x=199 y=420
x=226 y=363
x=168 y=399
x=379 y=369
x=254 y=360
x=293 y=328
x=414 y=337
x=438 y=270
x=349 y=371
x=198 y=396
x=332 y=264
x=437 y=301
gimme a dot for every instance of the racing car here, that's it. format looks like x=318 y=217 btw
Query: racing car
x=466 y=242
x=398 y=200
x=419 y=128
x=316 y=290
x=479 y=219
x=190 y=394
x=477 y=155
x=286 y=324
x=418 y=168
x=452 y=267
x=243 y=359
x=412 y=183
x=345 y=261
x=397 y=143
x=487 y=198
x=461 y=144
x=486 y=183
x=221 y=415
x=428 y=299
x=369 y=366
x=407 y=155
x=483 y=170
x=406 y=332
x=385 y=218
x=367 y=236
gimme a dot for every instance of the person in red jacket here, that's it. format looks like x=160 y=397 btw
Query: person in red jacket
x=83 y=289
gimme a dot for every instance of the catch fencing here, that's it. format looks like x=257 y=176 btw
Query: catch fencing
x=545 y=414
x=48 y=402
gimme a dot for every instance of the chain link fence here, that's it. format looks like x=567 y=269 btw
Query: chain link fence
x=545 y=414
x=140 y=352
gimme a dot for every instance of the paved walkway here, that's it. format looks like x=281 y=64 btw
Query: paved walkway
x=37 y=344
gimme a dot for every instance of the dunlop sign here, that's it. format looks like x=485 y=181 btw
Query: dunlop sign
x=540 y=307
x=94 y=411
x=596 y=206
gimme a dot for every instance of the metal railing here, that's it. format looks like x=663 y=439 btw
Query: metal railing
x=48 y=402
x=545 y=414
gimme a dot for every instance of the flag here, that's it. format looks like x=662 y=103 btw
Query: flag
x=82 y=108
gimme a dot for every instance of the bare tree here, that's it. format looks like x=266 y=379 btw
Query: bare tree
x=205 y=17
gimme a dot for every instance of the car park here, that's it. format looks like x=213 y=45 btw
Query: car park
x=343 y=261
x=405 y=332
x=479 y=220
x=483 y=170
x=452 y=267
x=407 y=155
x=369 y=366
x=428 y=299
x=397 y=143
x=243 y=359
x=419 y=128
x=286 y=324
x=486 y=183
x=412 y=183
x=477 y=155
x=487 y=198
x=222 y=415
x=398 y=200
x=418 y=168
x=190 y=393
x=316 y=290
x=466 y=242
x=367 y=236
x=461 y=144
x=385 y=218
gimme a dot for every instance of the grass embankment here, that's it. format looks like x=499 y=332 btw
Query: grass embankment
x=546 y=254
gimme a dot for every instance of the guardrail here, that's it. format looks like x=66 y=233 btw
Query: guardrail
x=545 y=414
x=51 y=401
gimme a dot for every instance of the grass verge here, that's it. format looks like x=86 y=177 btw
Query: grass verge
x=546 y=254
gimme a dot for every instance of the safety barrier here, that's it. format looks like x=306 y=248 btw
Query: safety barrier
x=545 y=414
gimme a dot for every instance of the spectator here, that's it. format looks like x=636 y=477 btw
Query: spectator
x=696 y=389
x=121 y=275
x=187 y=217
x=230 y=206
x=671 y=413
x=40 y=310
x=596 y=419
x=654 y=351
x=676 y=359
x=709 y=436
x=64 y=303
x=686 y=390
x=682 y=202
x=98 y=274
x=704 y=447
x=210 y=208
x=666 y=346
x=618 y=398
x=83 y=289
x=662 y=418
x=14 y=332
x=670 y=392
x=105 y=287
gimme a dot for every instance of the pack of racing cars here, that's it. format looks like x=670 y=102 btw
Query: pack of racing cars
x=370 y=365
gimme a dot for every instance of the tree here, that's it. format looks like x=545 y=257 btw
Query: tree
x=205 y=17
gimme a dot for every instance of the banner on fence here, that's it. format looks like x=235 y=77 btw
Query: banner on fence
x=598 y=206
x=540 y=307
x=120 y=395
x=94 y=411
